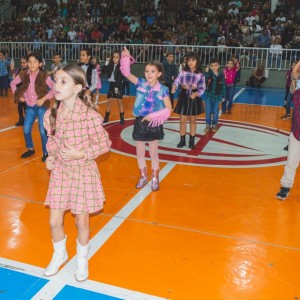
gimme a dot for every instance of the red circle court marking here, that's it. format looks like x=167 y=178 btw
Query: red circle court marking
x=254 y=156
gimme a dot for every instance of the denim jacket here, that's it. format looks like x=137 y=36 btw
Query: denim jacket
x=142 y=91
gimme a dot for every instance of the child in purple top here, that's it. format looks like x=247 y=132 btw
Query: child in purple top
x=189 y=103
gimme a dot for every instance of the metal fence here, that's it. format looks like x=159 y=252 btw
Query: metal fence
x=143 y=53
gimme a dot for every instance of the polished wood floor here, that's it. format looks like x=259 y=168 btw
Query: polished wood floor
x=212 y=232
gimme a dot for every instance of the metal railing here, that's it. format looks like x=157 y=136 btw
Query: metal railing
x=143 y=53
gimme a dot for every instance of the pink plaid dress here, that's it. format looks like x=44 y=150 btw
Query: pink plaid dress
x=76 y=184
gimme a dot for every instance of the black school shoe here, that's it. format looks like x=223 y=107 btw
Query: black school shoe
x=20 y=123
x=27 y=153
x=44 y=157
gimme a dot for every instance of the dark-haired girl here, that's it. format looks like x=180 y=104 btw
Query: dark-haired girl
x=75 y=139
x=115 y=90
x=189 y=103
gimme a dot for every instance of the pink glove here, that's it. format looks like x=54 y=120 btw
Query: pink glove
x=159 y=117
x=132 y=60
x=125 y=63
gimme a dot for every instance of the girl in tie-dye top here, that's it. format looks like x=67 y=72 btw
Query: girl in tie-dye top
x=151 y=108
x=189 y=103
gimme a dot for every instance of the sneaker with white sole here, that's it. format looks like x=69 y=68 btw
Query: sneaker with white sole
x=214 y=128
x=286 y=116
x=283 y=193
x=207 y=128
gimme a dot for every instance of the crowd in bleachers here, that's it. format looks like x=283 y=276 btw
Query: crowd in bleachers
x=226 y=24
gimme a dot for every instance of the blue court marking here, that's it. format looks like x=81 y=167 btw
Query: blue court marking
x=70 y=292
x=261 y=96
x=19 y=286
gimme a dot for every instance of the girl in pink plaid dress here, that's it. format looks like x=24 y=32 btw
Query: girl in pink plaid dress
x=75 y=138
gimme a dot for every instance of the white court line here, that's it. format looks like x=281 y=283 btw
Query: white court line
x=12 y=127
x=66 y=274
x=234 y=97
x=7 y=128
x=21 y=267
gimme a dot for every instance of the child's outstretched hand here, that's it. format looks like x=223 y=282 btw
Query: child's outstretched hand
x=125 y=52
x=71 y=153
x=207 y=69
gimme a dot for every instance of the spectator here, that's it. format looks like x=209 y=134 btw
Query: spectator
x=95 y=34
x=134 y=25
x=275 y=35
x=264 y=40
x=213 y=30
x=258 y=76
x=72 y=34
x=244 y=27
x=256 y=30
x=202 y=35
x=275 y=54
x=281 y=17
x=250 y=18
x=150 y=19
x=233 y=10
x=247 y=39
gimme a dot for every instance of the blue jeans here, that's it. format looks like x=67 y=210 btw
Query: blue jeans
x=227 y=104
x=31 y=113
x=211 y=108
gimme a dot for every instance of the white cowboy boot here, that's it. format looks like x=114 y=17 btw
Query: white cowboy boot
x=59 y=257
x=82 y=270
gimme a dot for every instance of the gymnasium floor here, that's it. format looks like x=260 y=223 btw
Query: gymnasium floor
x=214 y=231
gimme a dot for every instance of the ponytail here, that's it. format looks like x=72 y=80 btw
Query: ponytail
x=86 y=98
x=53 y=116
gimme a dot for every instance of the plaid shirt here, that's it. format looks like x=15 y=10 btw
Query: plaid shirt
x=83 y=130
x=296 y=115
x=191 y=79
x=212 y=96
x=288 y=77
x=4 y=64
